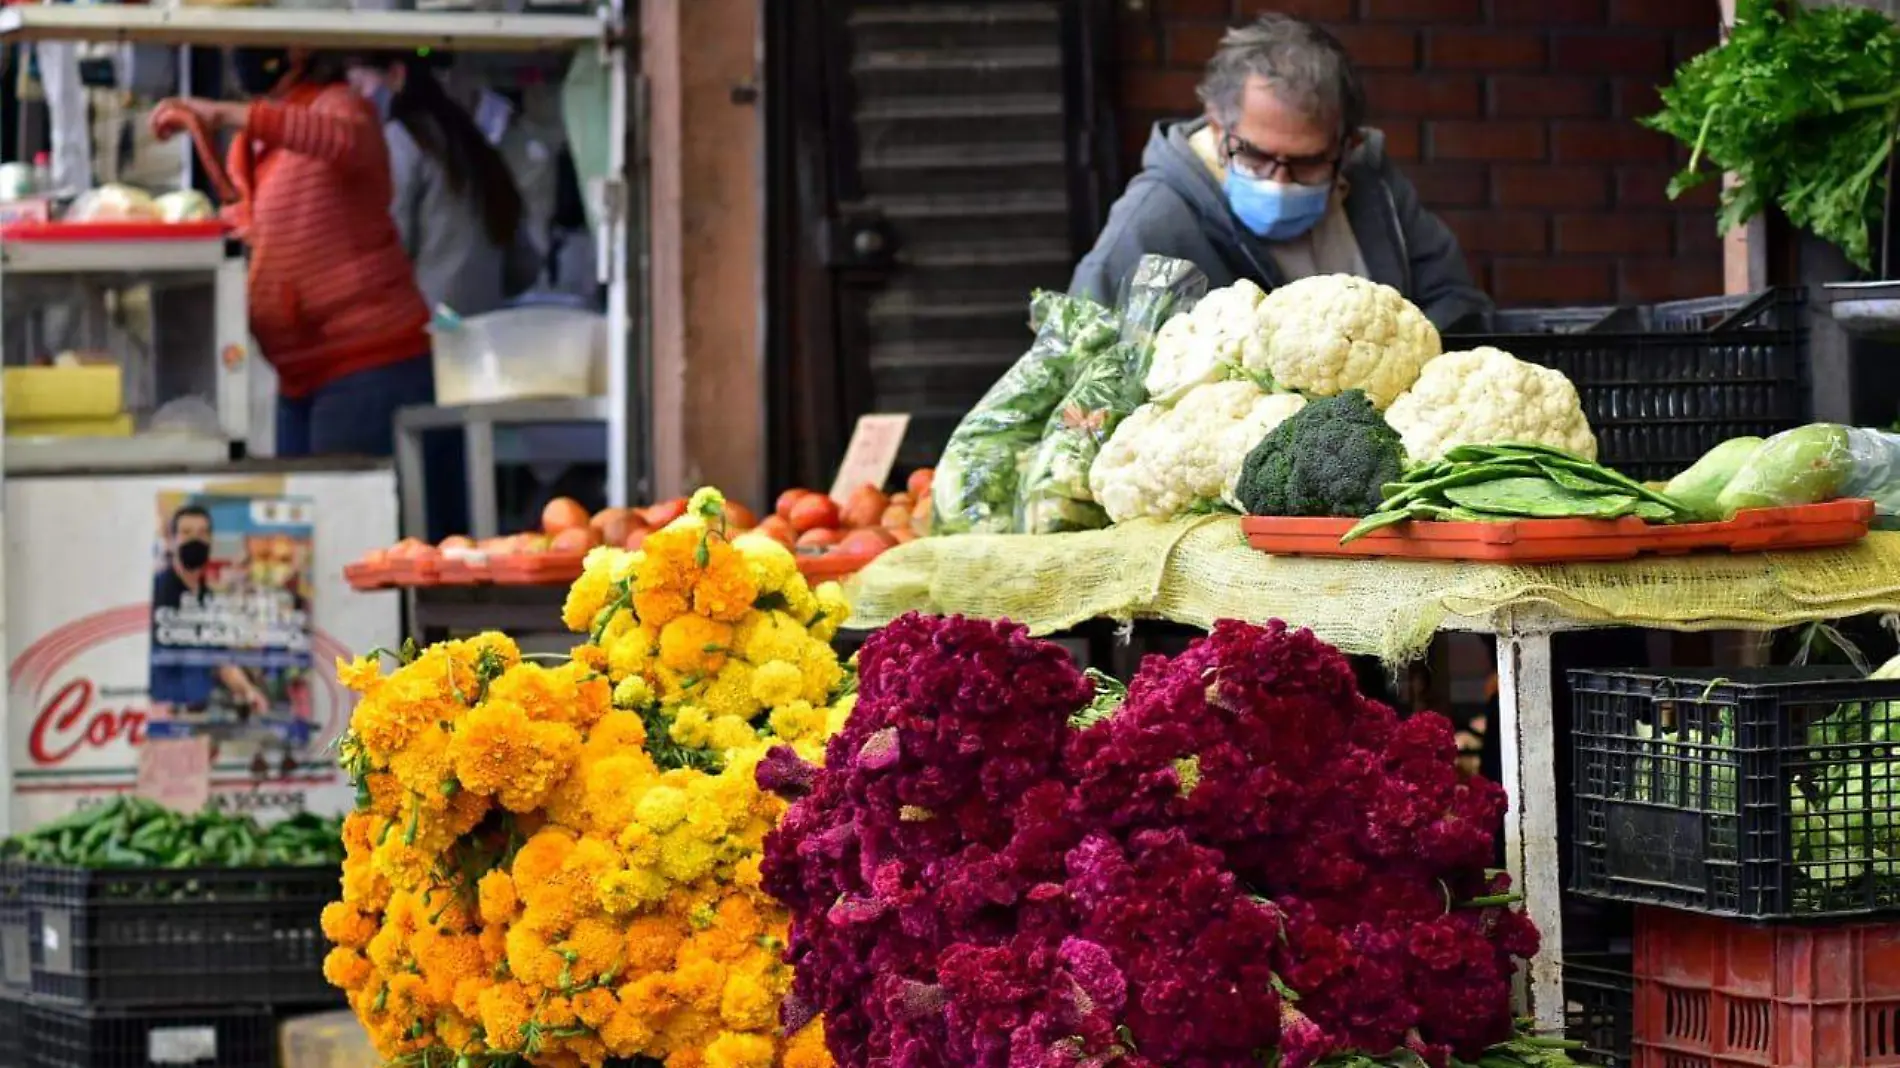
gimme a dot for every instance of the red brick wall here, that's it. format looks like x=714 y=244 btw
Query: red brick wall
x=1515 y=118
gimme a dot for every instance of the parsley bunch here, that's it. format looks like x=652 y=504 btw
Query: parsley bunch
x=1800 y=105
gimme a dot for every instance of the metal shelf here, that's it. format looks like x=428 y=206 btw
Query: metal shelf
x=143 y=24
x=111 y=257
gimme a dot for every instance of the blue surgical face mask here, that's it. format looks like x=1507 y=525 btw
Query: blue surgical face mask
x=1276 y=211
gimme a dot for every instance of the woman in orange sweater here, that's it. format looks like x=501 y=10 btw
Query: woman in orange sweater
x=333 y=300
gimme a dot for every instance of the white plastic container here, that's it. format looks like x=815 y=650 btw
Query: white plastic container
x=517 y=353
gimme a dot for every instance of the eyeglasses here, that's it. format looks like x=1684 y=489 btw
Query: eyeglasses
x=1256 y=162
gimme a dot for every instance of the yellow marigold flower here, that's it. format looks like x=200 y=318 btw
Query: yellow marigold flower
x=616 y=732
x=590 y=593
x=733 y=1050
x=632 y=890
x=384 y=721
x=364 y=886
x=729 y=732
x=800 y=604
x=538 y=693
x=402 y=864
x=822 y=672
x=840 y=712
x=633 y=694
x=505 y=1013
x=684 y=859
x=730 y=693
x=699 y=982
x=834 y=611
x=590 y=656
x=495 y=896
x=695 y=645
x=597 y=946
x=612 y=790
x=541 y=858
x=345 y=926
x=346 y=969
x=798 y=720
x=361 y=674
x=776 y=683
x=776 y=636
x=422 y=767
x=746 y=874
x=806 y=1049
x=662 y=808
x=691 y=727
x=595 y=1007
x=658 y=607
x=773 y=565
x=531 y=960
x=725 y=590
x=628 y=1034
x=498 y=751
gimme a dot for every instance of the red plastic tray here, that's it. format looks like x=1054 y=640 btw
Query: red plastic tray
x=464 y=569
x=833 y=565
x=415 y=571
x=365 y=576
x=535 y=569
x=1718 y=993
x=205 y=230
x=1552 y=541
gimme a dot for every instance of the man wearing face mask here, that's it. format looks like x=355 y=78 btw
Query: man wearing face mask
x=1280 y=181
x=181 y=592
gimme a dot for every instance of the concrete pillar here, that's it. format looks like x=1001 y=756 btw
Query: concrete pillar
x=706 y=271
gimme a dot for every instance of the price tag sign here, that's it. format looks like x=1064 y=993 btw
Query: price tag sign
x=176 y=772
x=872 y=453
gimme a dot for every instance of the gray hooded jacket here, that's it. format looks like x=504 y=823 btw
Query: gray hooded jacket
x=1174 y=207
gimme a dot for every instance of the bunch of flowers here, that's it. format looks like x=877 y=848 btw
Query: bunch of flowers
x=1241 y=860
x=560 y=865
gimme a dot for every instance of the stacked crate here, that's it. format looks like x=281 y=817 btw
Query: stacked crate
x=1754 y=818
x=130 y=968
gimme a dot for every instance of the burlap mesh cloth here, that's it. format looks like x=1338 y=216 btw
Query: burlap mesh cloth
x=1197 y=571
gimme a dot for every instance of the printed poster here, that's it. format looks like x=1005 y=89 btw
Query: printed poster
x=230 y=654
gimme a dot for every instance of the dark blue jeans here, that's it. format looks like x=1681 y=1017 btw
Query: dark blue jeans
x=356 y=416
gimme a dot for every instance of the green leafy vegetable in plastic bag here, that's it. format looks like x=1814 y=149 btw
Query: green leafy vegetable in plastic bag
x=977 y=478
x=1055 y=493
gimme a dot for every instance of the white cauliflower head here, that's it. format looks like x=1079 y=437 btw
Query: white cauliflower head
x=1489 y=397
x=1205 y=344
x=1331 y=333
x=1168 y=461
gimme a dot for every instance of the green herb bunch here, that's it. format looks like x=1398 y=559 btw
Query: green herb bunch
x=1800 y=105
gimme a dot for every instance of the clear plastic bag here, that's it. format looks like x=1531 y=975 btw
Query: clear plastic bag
x=1055 y=493
x=1815 y=463
x=1876 y=469
x=976 y=480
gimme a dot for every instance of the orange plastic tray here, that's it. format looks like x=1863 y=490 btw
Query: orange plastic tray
x=367 y=576
x=1553 y=541
x=464 y=569
x=834 y=565
x=415 y=571
x=535 y=569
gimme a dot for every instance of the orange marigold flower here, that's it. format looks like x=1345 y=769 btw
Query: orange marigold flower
x=496 y=898
x=346 y=969
x=505 y=1014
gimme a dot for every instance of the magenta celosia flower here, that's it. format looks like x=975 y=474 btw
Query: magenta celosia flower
x=1248 y=859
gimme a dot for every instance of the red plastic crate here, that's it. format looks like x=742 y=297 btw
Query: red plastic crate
x=1716 y=993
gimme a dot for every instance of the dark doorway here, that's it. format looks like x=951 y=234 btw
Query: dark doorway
x=928 y=166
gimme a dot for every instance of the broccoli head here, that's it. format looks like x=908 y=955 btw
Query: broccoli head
x=1332 y=458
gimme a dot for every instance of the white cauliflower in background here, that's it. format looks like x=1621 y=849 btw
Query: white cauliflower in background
x=1488 y=397
x=1208 y=343
x=1331 y=333
x=1168 y=461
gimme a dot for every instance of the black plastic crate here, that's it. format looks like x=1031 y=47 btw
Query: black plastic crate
x=16 y=954
x=1599 y=1007
x=1662 y=384
x=177 y=938
x=12 y=1030
x=1763 y=794
x=55 y=1037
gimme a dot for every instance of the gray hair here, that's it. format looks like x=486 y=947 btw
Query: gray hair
x=1306 y=66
